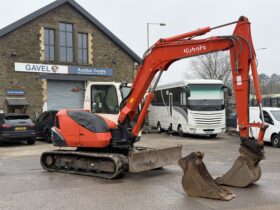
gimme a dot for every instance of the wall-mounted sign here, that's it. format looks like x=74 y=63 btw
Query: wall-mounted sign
x=41 y=68
x=59 y=69
x=90 y=71
x=15 y=92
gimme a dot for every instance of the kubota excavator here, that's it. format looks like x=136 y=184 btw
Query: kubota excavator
x=106 y=149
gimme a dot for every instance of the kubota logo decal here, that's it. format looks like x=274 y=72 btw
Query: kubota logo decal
x=194 y=49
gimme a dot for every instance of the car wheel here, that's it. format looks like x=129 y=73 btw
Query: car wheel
x=31 y=141
x=213 y=135
x=180 y=131
x=159 y=129
x=47 y=136
x=275 y=140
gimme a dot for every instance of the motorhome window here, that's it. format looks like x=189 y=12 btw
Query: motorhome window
x=164 y=98
x=157 y=101
x=176 y=96
x=276 y=114
x=183 y=99
x=104 y=99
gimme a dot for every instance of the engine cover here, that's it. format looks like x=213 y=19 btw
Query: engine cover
x=81 y=128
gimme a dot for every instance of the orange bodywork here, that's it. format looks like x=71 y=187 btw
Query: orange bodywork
x=110 y=123
x=158 y=59
x=76 y=135
x=166 y=51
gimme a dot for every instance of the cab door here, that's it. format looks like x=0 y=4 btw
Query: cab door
x=105 y=101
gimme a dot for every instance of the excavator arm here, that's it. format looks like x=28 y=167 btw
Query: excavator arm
x=166 y=51
x=196 y=180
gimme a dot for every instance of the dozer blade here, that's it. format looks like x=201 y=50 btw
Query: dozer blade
x=198 y=182
x=144 y=159
x=245 y=169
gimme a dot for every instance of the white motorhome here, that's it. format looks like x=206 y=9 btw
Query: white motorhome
x=189 y=106
x=272 y=118
x=104 y=98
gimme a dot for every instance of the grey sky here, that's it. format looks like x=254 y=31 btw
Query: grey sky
x=127 y=19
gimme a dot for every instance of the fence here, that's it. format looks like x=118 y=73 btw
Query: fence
x=267 y=101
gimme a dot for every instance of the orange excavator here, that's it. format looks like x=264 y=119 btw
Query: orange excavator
x=106 y=149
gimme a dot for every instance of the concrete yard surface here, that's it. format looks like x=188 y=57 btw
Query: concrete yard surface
x=25 y=185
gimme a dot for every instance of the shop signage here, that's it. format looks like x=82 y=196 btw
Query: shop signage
x=90 y=71
x=59 y=69
x=15 y=92
x=41 y=68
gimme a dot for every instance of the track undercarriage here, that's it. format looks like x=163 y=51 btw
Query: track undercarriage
x=109 y=165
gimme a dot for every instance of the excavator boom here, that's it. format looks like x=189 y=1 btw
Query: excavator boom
x=166 y=51
x=196 y=180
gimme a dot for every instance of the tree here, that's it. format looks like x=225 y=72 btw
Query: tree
x=213 y=66
x=268 y=84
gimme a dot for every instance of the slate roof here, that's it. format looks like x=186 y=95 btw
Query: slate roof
x=82 y=11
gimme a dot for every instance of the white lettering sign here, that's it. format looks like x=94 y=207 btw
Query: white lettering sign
x=239 y=80
x=41 y=68
x=195 y=49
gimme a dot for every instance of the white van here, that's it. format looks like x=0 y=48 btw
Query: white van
x=272 y=118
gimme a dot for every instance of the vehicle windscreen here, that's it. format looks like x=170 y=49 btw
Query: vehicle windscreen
x=206 y=97
x=17 y=119
x=276 y=114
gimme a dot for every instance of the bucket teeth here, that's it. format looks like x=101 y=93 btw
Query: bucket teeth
x=198 y=182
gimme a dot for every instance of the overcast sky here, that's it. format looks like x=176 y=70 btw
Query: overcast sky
x=127 y=19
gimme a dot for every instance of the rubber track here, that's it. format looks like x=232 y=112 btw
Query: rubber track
x=120 y=162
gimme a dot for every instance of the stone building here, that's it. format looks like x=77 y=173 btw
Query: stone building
x=47 y=58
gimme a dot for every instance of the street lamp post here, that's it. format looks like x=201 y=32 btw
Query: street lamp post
x=148 y=31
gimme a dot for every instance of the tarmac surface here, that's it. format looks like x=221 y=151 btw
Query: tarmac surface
x=25 y=185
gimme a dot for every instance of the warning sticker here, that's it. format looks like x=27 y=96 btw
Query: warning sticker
x=239 y=80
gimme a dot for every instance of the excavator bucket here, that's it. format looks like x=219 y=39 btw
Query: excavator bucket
x=198 y=182
x=245 y=169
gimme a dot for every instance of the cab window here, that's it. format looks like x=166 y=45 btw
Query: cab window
x=104 y=99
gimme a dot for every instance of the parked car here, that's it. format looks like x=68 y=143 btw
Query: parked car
x=43 y=125
x=17 y=127
x=272 y=119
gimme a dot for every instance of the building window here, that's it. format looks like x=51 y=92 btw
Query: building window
x=49 y=44
x=83 y=48
x=66 y=42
